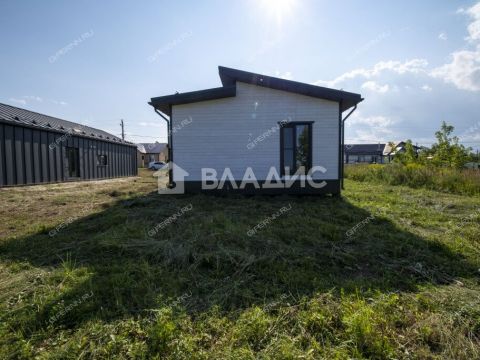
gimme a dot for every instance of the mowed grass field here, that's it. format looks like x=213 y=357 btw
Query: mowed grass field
x=112 y=270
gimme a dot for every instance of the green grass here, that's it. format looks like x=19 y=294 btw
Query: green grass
x=450 y=180
x=404 y=284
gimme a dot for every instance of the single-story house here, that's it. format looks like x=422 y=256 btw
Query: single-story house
x=39 y=149
x=257 y=133
x=148 y=152
x=364 y=153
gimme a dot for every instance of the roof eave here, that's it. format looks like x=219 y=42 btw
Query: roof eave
x=230 y=76
x=163 y=103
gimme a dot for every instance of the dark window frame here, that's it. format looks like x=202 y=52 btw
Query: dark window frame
x=102 y=160
x=293 y=125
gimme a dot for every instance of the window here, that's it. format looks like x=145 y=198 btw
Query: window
x=73 y=161
x=296 y=148
x=102 y=160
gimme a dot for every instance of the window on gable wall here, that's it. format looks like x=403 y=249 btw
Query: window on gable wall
x=296 y=148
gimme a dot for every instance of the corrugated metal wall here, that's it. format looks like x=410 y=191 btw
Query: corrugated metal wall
x=33 y=156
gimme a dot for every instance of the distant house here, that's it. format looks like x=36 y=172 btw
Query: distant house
x=148 y=152
x=375 y=153
x=397 y=147
x=38 y=149
x=472 y=165
x=365 y=153
x=257 y=134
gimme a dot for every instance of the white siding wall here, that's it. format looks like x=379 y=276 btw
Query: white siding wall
x=221 y=130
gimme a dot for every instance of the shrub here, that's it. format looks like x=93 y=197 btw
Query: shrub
x=460 y=181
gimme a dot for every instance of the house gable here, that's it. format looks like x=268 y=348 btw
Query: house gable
x=243 y=131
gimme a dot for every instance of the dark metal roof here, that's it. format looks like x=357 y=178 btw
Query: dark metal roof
x=364 y=149
x=151 y=148
x=18 y=116
x=229 y=77
x=163 y=103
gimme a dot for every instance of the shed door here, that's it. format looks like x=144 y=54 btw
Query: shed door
x=73 y=162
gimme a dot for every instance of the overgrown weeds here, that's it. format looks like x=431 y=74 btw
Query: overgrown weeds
x=451 y=180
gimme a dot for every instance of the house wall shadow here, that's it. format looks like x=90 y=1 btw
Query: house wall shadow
x=205 y=258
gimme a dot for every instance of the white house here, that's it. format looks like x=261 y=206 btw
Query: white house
x=255 y=134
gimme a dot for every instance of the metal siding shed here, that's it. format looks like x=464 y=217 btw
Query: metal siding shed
x=33 y=150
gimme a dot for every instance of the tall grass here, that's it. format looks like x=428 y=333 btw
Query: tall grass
x=465 y=181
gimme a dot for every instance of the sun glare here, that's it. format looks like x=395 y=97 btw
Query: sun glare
x=278 y=9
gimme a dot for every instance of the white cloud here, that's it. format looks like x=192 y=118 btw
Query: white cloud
x=30 y=98
x=56 y=102
x=373 y=86
x=369 y=129
x=464 y=69
x=286 y=75
x=442 y=36
x=377 y=121
x=26 y=99
x=392 y=117
x=414 y=66
x=18 y=101
x=151 y=124
x=35 y=98
x=370 y=135
x=474 y=27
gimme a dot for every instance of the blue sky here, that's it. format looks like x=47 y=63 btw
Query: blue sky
x=96 y=62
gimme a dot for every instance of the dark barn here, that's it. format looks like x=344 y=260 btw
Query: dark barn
x=36 y=148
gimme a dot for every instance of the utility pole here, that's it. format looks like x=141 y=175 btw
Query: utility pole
x=123 y=133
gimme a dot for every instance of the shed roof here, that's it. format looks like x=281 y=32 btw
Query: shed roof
x=230 y=76
x=163 y=103
x=151 y=148
x=18 y=116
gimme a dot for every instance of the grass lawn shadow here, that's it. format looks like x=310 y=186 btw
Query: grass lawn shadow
x=205 y=258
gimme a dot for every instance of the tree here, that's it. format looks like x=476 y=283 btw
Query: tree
x=447 y=151
x=409 y=156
